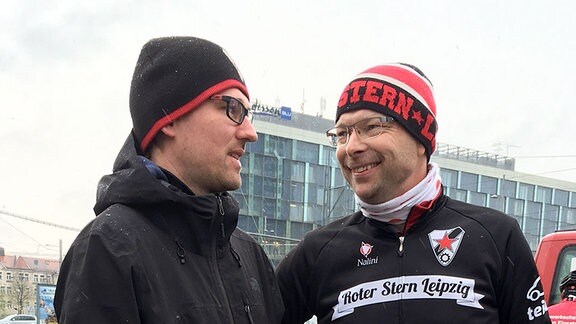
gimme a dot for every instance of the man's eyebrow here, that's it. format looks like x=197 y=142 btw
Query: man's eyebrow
x=341 y=124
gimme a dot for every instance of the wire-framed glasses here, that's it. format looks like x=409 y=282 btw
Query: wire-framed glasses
x=366 y=128
x=235 y=109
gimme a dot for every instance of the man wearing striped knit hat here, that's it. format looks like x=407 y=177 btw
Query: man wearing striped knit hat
x=410 y=254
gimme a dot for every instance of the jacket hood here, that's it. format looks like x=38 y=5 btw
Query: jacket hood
x=137 y=182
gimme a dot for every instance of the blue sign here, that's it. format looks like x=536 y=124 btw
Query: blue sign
x=45 y=303
x=286 y=113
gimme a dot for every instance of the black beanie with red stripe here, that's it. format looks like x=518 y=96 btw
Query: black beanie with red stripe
x=398 y=90
x=173 y=76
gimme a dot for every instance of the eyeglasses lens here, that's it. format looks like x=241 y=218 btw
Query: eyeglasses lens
x=366 y=128
x=233 y=110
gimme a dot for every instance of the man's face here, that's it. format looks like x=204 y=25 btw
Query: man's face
x=206 y=146
x=383 y=167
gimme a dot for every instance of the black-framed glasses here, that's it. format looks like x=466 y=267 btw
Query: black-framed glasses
x=235 y=109
x=366 y=128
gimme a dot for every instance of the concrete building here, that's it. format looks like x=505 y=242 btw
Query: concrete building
x=292 y=183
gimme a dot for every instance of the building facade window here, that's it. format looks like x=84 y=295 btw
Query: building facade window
x=270 y=186
x=269 y=208
x=255 y=204
x=306 y=152
x=449 y=177
x=525 y=191
x=533 y=219
x=257 y=164
x=478 y=198
x=561 y=197
x=567 y=218
x=543 y=195
x=317 y=174
x=248 y=223
x=550 y=219
x=277 y=147
x=270 y=167
x=256 y=147
x=497 y=202
x=489 y=185
x=469 y=181
x=516 y=206
x=296 y=212
x=572 y=202
x=329 y=157
x=294 y=170
x=508 y=188
x=257 y=187
x=457 y=194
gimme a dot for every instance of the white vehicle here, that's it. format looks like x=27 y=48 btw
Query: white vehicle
x=18 y=319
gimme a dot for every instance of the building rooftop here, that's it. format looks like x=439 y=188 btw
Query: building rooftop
x=13 y=262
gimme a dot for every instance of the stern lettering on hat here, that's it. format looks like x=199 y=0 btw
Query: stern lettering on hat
x=399 y=91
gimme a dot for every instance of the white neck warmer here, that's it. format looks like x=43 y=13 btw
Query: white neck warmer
x=396 y=211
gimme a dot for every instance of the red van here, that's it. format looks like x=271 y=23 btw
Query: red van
x=555 y=258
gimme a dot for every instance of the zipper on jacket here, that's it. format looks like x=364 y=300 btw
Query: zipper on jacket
x=247 y=309
x=214 y=262
x=401 y=239
x=401 y=246
x=249 y=313
x=221 y=209
x=236 y=256
x=180 y=251
x=220 y=206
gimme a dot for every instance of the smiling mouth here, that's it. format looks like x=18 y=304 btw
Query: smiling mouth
x=364 y=168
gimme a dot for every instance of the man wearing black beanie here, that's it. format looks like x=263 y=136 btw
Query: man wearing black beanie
x=164 y=247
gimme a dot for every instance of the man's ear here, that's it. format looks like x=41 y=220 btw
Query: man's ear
x=421 y=149
x=169 y=130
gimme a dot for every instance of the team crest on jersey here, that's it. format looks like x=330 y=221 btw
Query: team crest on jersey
x=365 y=250
x=445 y=243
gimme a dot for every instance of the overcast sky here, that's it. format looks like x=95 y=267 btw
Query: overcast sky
x=504 y=75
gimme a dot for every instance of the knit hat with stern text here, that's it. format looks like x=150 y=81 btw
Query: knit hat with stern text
x=398 y=90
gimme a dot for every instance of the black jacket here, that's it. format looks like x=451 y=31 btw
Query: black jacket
x=459 y=263
x=158 y=254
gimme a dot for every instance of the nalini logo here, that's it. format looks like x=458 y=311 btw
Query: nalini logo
x=365 y=250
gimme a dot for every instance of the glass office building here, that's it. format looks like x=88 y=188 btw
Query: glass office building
x=291 y=184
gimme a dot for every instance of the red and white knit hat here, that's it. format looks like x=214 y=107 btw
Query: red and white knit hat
x=398 y=90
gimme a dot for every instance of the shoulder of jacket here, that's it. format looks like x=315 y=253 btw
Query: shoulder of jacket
x=495 y=222
x=240 y=235
x=114 y=220
x=321 y=236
